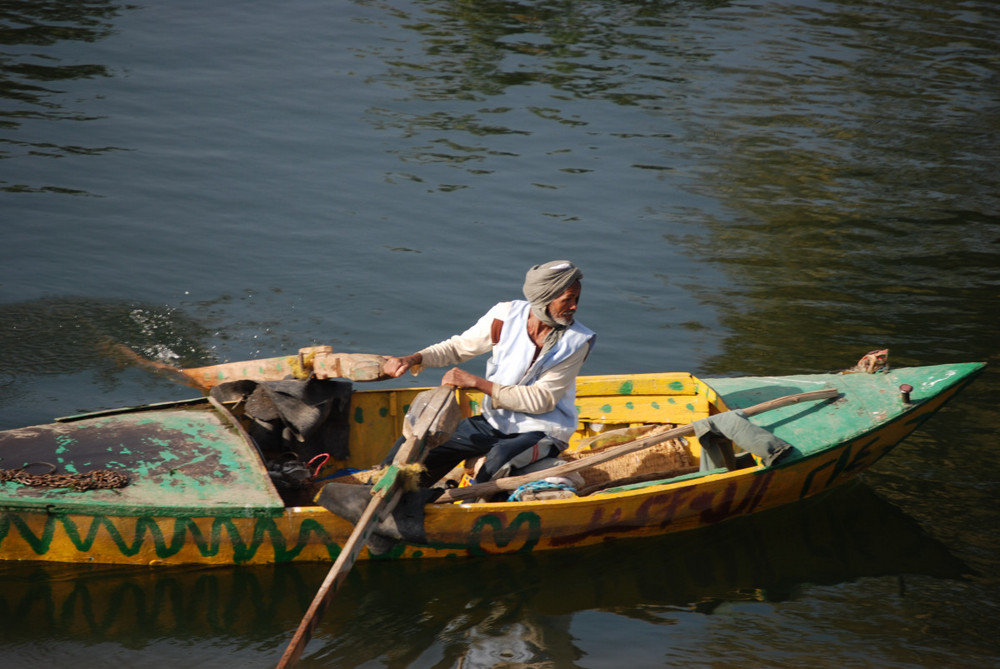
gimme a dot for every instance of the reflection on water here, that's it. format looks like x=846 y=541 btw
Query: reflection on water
x=854 y=121
x=561 y=97
x=35 y=67
x=858 y=181
x=399 y=610
x=856 y=293
x=583 y=50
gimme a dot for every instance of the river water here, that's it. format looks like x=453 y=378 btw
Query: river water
x=749 y=187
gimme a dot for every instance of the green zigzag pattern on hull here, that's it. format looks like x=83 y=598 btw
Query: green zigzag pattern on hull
x=167 y=544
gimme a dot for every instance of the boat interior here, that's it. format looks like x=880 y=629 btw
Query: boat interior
x=350 y=431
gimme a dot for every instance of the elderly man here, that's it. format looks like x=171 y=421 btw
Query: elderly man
x=530 y=384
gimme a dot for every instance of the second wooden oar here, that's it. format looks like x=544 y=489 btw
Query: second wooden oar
x=513 y=482
x=432 y=418
x=320 y=362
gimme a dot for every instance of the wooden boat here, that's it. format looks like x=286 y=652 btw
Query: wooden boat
x=199 y=490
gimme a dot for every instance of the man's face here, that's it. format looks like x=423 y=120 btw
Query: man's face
x=563 y=308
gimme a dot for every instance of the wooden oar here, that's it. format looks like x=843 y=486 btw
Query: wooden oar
x=432 y=418
x=514 y=482
x=318 y=361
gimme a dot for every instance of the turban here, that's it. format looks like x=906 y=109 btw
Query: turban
x=544 y=283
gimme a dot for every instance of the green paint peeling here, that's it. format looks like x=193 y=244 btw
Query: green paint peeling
x=180 y=462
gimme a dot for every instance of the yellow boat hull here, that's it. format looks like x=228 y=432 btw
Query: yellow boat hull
x=276 y=533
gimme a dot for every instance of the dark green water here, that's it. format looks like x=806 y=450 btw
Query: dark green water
x=750 y=188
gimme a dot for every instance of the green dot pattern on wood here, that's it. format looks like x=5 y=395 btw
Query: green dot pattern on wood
x=606 y=408
x=359 y=415
x=383 y=412
x=625 y=388
x=676 y=385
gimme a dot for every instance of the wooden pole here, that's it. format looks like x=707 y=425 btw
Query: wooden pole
x=320 y=362
x=432 y=418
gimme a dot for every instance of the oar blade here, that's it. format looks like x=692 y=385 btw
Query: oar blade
x=433 y=416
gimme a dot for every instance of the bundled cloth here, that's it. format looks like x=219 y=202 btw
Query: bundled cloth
x=733 y=426
x=307 y=417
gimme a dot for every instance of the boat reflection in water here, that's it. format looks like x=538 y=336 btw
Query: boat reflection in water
x=399 y=609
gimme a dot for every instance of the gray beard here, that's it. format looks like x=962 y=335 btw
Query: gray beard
x=565 y=322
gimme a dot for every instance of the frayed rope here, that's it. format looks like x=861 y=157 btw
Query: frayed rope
x=536 y=486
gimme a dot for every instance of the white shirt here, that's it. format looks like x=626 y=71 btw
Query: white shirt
x=538 y=398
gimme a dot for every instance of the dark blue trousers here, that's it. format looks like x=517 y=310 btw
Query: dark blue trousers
x=474 y=436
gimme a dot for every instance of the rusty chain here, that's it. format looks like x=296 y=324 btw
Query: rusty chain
x=97 y=479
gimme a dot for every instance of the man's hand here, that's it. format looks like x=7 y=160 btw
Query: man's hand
x=396 y=367
x=463 y=379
